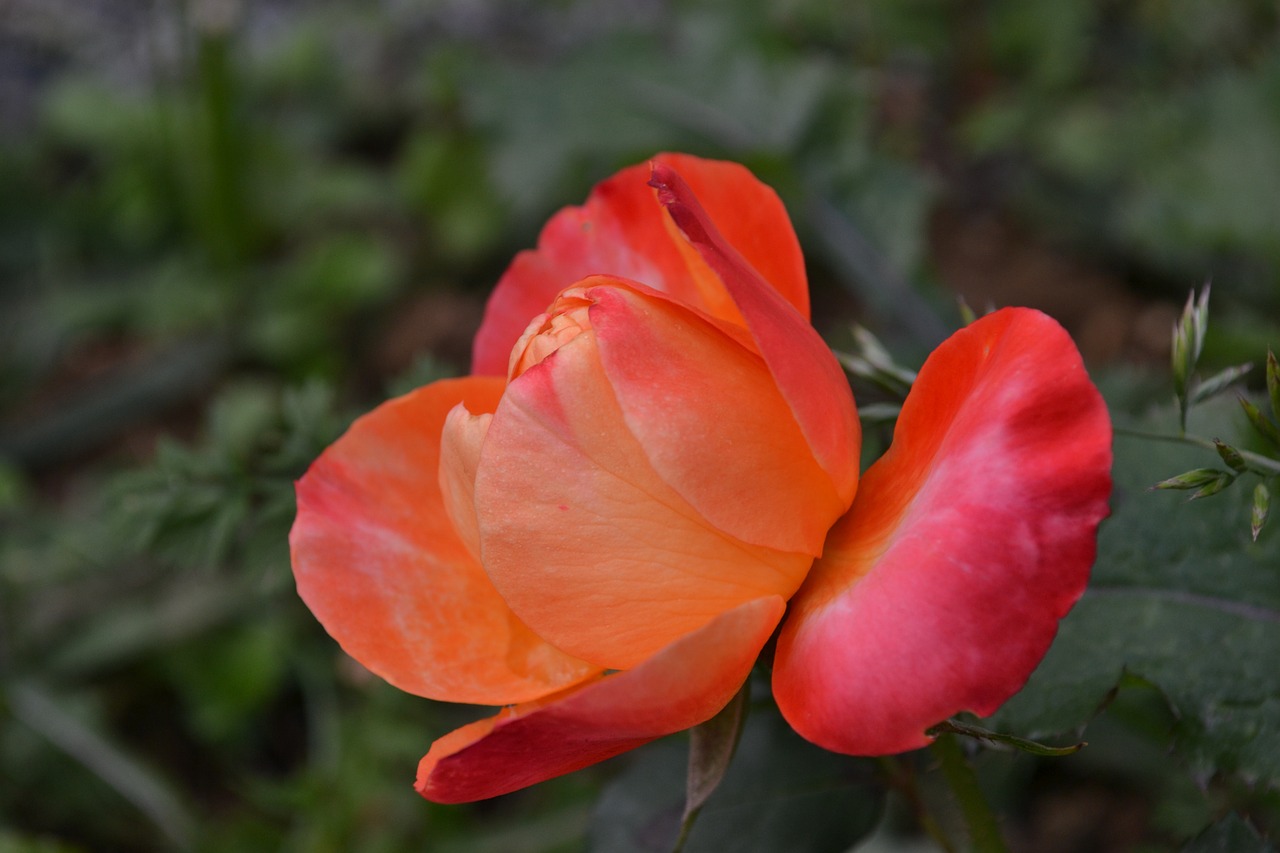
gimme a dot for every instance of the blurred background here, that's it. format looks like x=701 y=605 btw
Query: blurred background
x=226 y=228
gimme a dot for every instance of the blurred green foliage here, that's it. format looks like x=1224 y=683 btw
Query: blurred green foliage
x=212 y=246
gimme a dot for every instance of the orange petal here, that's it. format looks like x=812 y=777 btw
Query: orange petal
x=378 y=562
x=622 y=231
x=585 y=540
x=806 y=372
x=683 y=685
x=714 y=426
x=942 y=588
x=460 y=444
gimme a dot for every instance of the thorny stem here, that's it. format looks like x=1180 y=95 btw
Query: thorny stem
x=903 y=780
x=984 y=829
x=1271 y=466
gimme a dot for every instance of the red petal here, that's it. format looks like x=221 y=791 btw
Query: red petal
x=378 y=562
x=942 y=588
x=622 y=231
x=806 y=372
x=682 y=686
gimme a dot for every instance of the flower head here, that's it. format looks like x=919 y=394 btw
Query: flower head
x=654 y=465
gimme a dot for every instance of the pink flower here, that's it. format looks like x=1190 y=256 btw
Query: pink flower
x=654 y=465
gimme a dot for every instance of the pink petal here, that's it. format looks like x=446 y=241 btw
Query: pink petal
x=622 y=231
x=681 y=686
x=381 y=566
x=942 y=588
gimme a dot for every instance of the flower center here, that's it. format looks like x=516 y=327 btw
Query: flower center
x=567 y=318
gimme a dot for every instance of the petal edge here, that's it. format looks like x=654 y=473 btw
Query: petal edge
x=683 y=685
x=942 y=588
x=378 y=562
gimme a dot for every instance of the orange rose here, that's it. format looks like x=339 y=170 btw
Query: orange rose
x=655 y=458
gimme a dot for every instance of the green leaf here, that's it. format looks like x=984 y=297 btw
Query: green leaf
x=711 y=748
x=1182 y=598
x=1261 y=422
x=13 y=487
x=780 y=793
x=1232 y=834
x=1218 y=382
x=226 y=677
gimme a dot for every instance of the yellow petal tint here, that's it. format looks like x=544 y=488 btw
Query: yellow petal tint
x=623 y=231
x=585 y=540
x=378 y=561
x=942 y=588
x=681 y=686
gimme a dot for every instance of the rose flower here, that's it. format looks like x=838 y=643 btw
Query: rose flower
x=653 y=468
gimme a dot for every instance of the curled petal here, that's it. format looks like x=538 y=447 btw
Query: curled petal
x=681 y=686
x=806 y=372
x=580 y=528
x=381 y=566
x=622 y=231
x=942 y=588
x=460 y=444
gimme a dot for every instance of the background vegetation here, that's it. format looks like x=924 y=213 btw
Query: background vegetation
x=226 y=229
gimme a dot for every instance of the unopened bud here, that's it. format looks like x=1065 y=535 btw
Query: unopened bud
x=1224 y=479
x=1193 y=479
x=1231 y=456
x=1261 y=506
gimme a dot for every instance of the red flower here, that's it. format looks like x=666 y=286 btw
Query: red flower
x=605 y=523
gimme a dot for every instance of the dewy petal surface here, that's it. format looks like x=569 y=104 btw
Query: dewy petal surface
x=585 y=540
x=681 y=686
x=379 y=563
x=942 y=588
x=623 y=231
x=807 y=374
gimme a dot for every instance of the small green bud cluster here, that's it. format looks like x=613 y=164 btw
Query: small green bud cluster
x=1188 y=342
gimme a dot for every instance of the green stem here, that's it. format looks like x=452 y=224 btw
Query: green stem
x=903 y=780
x=984 y=829
x=1271 y=466
x=686 y=826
